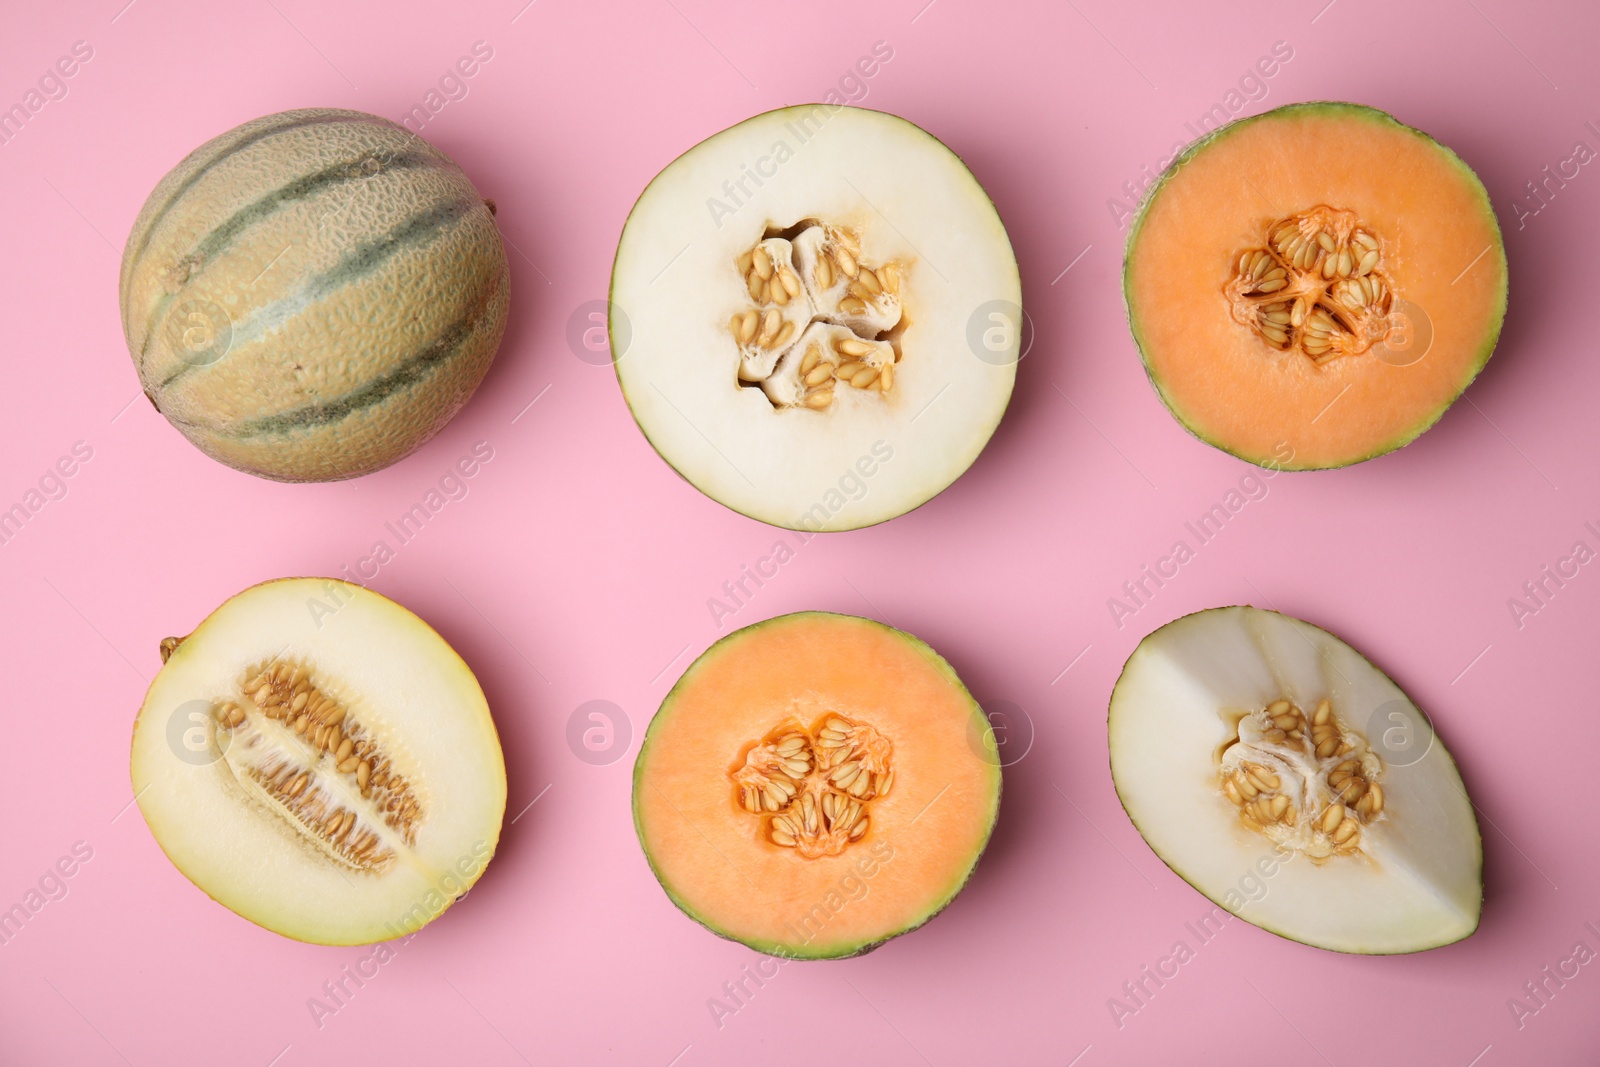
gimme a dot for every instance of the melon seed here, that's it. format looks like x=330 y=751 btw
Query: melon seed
x=812 y=358
x=286 y=761
x=1316 y=258
x=1281 y=738
x=824 y=273
x=812 y=787
x=773 y=285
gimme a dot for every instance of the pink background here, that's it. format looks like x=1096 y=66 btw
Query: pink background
x=579 y=567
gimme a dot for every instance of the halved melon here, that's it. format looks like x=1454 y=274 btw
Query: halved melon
x=1280 y=773
x=317 y=759
x=1314 y=286
x=815 y=785
x=822 y=317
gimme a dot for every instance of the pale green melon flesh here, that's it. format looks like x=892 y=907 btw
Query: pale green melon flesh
x=1419 y=882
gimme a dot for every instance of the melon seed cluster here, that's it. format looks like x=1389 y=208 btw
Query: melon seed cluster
x=812 y=787
x=328 y=775
x=819 y=309
x=1306 y=782
x=1318 y=286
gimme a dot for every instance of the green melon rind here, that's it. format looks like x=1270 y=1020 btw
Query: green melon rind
x=611 y=304
x=835 y=950
x=1370 y=114
x=1443 y=750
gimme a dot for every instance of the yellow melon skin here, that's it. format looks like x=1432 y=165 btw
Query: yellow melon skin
x=313 y=295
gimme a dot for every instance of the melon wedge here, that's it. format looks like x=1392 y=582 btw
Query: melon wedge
x=1314 y=286
x=822 y=317
x=815 y=785
x=1280 y=773
x=317 y=759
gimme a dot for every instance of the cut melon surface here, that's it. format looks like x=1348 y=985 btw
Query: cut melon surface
x=317 y=759
x=823 y=317
x=1280 y=773
x=1314 y=286
x=815 y=785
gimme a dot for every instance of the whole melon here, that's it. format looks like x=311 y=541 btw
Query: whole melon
x=314 y=294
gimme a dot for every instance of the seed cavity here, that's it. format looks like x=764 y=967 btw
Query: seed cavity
x=812 y=786
x=1304 y=781
x=817 y=278
x=294 y=747
x=1317 y=286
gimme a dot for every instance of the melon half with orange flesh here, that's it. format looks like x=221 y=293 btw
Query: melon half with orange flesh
x=1314 y=286
x=815 y=785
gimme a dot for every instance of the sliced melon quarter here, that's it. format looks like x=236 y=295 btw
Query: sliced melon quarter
x=815 y=785
x=1288 y=779
x=816 y=293
x=317 y=759
x=1314 y=286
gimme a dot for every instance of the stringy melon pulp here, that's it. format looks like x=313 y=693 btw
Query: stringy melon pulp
x=816 y=317
x=318 y=760
x=1288 y=779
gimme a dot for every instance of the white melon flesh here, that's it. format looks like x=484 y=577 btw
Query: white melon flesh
x=401 y=697
x=943 y=303
x=1411 y=877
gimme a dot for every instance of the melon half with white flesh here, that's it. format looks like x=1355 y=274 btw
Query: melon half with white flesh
x=317 y=759
x=816 y=317
x=1280 y=773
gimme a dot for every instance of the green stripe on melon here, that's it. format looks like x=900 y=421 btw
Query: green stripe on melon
x=313 y=295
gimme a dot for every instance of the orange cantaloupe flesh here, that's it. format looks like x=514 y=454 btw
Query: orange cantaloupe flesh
x=926 y=834
x=1442 y=248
